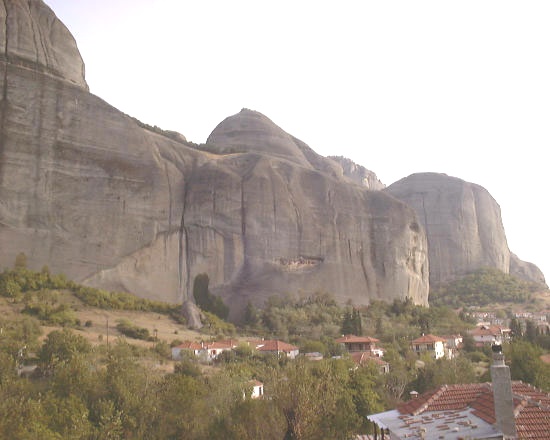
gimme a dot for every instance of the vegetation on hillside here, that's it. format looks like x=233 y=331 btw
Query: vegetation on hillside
x=483 y=287
x=40 y=293
x=114 y=390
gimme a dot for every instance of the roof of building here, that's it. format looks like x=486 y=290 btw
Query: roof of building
x=459 y=411
x=362 y=357
x=188 y=345
x=492 y=330
x=356 y=339
x=275 y=345
x=218 y=345
x=426 y=339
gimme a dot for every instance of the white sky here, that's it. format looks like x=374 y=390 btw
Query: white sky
x=400 y=87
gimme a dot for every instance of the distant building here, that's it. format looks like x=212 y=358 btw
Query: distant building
x=354 y=343
x=362 y=358
x=490 y=334
x=434 y=345
x=257 y=389
x=188 y=346
x=278 y=347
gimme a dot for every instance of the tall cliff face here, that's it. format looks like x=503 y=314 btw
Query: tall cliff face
x=88 y=191
x=464 y=227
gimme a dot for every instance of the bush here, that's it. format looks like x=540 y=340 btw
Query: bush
x=132 y=331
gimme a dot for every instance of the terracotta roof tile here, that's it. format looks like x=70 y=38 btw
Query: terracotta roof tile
x=188 y=345
x=532 y=406
x=275 y=345
x=357 y=339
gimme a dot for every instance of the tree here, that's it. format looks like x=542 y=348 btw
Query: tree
x=515 y=328
x=530 y=331
x=296 y=391
x=20 y=261
x=207 y=301
x=61 y=346
x=526 y=365
x=351 y=323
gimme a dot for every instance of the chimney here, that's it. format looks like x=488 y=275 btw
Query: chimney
x=502 y=394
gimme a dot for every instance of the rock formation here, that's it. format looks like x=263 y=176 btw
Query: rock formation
x=32 y=37
x=463 y=225
x=98 y=196
x=358 y=173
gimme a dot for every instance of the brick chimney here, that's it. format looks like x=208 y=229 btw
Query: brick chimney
x=502 y=394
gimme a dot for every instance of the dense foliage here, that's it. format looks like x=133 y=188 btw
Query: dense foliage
x=206 y=300
x=116 y=391
x=40 y=294
x=485 y=286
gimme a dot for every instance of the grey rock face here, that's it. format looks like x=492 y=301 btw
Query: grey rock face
x=91 y=193
x=526 y=271
x=32 y=36
x=261 y=224
x=358 y=173
x=463 y=224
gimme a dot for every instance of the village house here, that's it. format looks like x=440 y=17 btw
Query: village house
x=500 y=409
x=453 y=345
x=257 y=389
x=188 y=346
x=210 y=351
x=354 y=343
x=490 y=334
x=362 y=358
x=433 y=345
x=278 y=347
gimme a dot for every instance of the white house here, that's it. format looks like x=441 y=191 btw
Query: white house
x=278 y=347
x=212 y=350
x=257 y=389
x=434 y=345
x=191 y=347
x=490 y=334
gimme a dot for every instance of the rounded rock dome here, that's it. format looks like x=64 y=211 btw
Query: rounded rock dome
x=33 y=37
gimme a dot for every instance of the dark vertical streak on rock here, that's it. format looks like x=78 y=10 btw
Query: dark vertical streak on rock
x=299 y=225
x=37 y=37
x=243 y=214
x=426 y=228
x=184 y=251
x=169 y=207
x=4 y=103
x=274 y=201
x=363 y=268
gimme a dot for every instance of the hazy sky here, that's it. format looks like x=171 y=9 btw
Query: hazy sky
x=400 y=87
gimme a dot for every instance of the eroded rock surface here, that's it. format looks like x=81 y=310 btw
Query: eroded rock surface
x=464 y=227
x=31 y=36
x=358 y=173
x=94 y=194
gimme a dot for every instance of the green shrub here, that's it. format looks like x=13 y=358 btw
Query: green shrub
x=132 y=331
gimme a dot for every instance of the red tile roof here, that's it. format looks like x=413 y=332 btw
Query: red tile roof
x=188 y=345
x=356 y=339
x=274 y=345
x=361 y=357
x=426 y=339
x=532 y=406
x=218 y=345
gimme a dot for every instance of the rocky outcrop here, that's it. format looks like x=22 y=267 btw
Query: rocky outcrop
x=94 y=194
x=358 y=173
x=464 y=227
x=32 y=37
x=526 y=271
